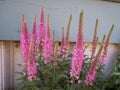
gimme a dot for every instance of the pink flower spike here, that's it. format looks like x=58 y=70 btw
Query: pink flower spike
x=91 y=74
x=48 y=44
x=41 y=32
x=31 y=64
x=65 y=39
x=42 y=15
x=24 y=40
x=105 y=52
x=95 y=41
x=34 y=26
x=34 y=34
x=68 y=33
x=78 y=55
x=63 y=47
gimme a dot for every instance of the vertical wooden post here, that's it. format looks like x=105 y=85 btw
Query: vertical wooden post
x=11 y=83
x=6 y=65
x=2 y=83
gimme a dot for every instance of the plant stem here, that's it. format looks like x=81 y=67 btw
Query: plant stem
x=53 y=79
x=33 y=85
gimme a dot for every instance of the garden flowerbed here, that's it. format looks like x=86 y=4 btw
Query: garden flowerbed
x=48 y=64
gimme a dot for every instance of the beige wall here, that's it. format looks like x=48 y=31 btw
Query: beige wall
x=10 y=56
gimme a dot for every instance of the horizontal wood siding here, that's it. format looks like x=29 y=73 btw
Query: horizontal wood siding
x=108 y=13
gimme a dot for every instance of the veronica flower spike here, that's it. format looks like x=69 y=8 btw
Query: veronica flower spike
x=68 y=33
x=34 y=34
x=48 y=44
x=24 y=40
x=95 y=40
x=105 y=51
x=65 y=39
x=41 y=32
x=62 y=47
x=91 y=74
x=31 y=64
x=78 y=55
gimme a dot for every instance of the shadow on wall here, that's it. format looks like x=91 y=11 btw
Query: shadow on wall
x=113 y=52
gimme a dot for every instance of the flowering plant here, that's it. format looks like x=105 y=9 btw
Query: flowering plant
x=50 y=66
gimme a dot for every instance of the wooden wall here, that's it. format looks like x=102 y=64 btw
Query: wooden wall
x=10 y=56
x=108 y=13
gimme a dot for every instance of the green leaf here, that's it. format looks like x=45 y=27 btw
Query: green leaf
x=60 y=76
x=117 y=74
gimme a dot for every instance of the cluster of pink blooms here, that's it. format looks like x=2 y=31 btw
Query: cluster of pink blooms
x=99 y=59
x=29 y=45
x=30 y=49
x=78 y=54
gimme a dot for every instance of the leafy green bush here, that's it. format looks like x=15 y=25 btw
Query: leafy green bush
x=113 y=82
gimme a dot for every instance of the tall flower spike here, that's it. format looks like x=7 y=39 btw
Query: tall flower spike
x=34 y=26
x=53 y=36
x=65 y=40
x=78 y=54
x=25 y=30
x=23 y=19
x=63 y=46
x=68 y=28
x=92 y=70
x=55 y=54
x=24 y=40
x=42 y=15
x=48 y=26
x=56 y=50
x=34 y=34
x=41 y=31
x=105 y=52
x=31 y=64
x=95 y=40
x=63 y=37
x=48 y=44
x=68 y=33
